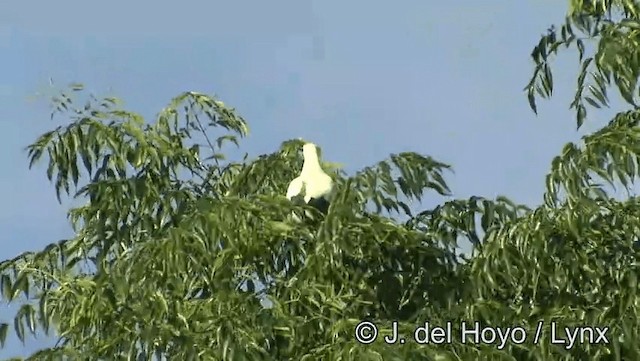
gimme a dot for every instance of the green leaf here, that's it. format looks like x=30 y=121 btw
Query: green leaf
x=4 y=329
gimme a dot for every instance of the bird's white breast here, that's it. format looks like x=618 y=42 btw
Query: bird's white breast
x=317 y=185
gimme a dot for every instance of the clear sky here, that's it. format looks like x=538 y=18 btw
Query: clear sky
x=362 y=79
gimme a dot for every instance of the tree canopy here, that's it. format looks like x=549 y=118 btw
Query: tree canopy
x=182 y=254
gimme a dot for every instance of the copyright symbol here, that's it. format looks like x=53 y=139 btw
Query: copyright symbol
x=366 y=332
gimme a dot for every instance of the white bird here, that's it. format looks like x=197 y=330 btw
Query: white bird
x=313 y=184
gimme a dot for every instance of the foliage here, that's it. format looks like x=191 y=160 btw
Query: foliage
x=612 y=28
x=176 y=250
x=182 y=254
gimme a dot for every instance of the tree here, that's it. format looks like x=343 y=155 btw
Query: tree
x=181 y=254
x=168 y=262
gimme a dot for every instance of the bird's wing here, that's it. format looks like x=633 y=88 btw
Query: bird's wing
x=295 y=187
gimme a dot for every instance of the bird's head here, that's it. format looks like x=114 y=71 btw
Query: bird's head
x=309 y=149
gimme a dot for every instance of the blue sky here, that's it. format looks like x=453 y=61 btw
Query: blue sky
x=362 y=79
